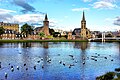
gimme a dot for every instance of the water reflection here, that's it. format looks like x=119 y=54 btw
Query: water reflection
x=1 y=44
x=45 y=45
x=27 y=44
x=119 y=47
x=77 y=54
x=81 y=45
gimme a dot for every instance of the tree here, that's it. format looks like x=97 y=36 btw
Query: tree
x=99 y=35
x=109 y=35
x=26 y=29
x=42 y=34
x=56 y=34
x=1 y=31
x=51 y=31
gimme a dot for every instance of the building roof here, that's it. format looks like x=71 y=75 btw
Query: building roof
x=38 y=28
x=46 y=18
x=76 y=31
x=7 y=24
x=83 y=18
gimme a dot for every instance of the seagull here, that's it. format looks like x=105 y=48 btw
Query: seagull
x=26 y=69
x=76 y=61
x=38 y=61
x=71 y=55
x=17 y=67
x=95 y=59
x=69 y=66
x=24 y=64
x=83 y=62
x=6 y=75
x=11 y=66
x=60 y=62
x=35 y=67
x=64 y=63
x=105 y=57
x=83 y=58
x=12 y=69
x=41 y=58
x=42 y=66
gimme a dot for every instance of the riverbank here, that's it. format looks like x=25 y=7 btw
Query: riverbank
x=10 y=41
x=13 y=41
x=105 y=41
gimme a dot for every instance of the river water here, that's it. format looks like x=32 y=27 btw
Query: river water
x=58 y=60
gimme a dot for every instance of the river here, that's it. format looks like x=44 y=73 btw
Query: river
x=58 y=60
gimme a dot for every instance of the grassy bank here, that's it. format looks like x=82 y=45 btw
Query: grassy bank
x=109 y=76
x=13 y=41
x=106 y=41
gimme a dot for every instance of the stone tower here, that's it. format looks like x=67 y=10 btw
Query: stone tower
x=46 y=26
x=83 y=27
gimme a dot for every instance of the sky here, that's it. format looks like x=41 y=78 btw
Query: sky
x=100 y=15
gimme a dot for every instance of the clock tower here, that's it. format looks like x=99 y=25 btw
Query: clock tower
x=83 y=27
x=46 y=26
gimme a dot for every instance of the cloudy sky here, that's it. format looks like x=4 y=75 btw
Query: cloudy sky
x=63 y=14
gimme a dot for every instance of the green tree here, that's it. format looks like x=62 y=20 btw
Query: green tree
x=56 y=34
x=1 y=31
x=107 y=76
x=41 y=34
x=26 y=29
x=109 y=35
x=51 y=31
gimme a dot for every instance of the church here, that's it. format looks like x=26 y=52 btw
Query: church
x=83 y=32
x=44 y=28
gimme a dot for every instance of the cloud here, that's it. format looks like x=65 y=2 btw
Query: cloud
x=117 y=21
x=5 y=15
x=65 y=17
x=32 y=19
x=5 y=11
x=53 y=22
x=109 y=0
x=26 y=7
x=24 y=4
x=28 y=18
x=80 y=9
x=104 y=4
x=87 y=0
x=109 y=20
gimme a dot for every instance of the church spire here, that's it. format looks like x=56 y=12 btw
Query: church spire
x=46 y=18
x=83 y=18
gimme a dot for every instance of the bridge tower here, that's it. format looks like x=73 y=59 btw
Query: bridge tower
x=103 y=37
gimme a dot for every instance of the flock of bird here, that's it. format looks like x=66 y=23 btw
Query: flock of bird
x=49 y=60
x=12 y=68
